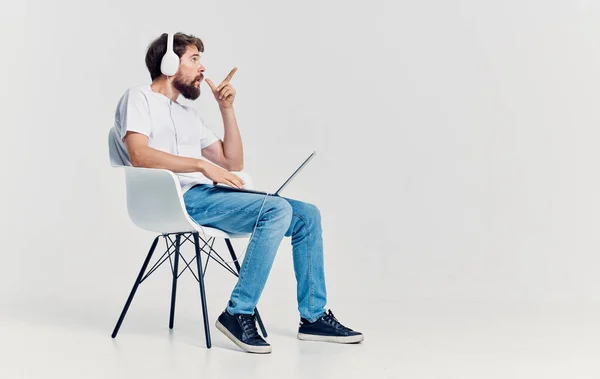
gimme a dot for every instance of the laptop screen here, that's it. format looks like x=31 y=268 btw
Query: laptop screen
x=296 y=172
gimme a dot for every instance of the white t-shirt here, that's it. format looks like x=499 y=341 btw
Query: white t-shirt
x=178 y=131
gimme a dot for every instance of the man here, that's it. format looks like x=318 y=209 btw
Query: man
x=156 y=131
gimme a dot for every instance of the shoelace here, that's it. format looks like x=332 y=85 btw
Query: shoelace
x=331 y=320
x=249 y=326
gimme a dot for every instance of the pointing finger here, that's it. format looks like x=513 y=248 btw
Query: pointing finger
x=228 y=78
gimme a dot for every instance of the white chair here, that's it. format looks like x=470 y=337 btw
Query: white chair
x=155 y=203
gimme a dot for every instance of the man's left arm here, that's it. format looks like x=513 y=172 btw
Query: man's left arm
x=228 y=153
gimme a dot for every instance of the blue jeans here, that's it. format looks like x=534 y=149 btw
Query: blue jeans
x=236 y=212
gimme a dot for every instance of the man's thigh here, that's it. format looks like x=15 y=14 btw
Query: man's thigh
x=230 y=211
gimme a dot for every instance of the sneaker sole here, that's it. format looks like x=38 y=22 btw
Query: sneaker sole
x=240 y=344
x=336 y=339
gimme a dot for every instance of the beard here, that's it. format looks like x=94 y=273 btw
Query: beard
x=186 y=87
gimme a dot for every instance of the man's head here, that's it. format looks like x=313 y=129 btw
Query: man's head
x=188 y=49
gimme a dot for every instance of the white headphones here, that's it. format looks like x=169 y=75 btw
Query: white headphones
x=170 y=61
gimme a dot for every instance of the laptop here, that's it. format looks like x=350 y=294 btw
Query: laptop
x=221 y=185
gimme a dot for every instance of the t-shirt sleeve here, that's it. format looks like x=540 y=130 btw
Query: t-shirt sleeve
x=134 y=114
x=208 y=136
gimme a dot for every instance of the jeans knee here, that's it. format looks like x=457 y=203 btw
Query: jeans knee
x=282 y=210
x=313 y=212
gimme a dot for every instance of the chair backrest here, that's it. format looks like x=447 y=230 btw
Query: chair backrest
x=154 y=198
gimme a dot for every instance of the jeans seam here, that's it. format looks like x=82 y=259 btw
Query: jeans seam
x=245 y=268
x=200 y=210
x=265 y=215
x=191 y=209
x=311 y=302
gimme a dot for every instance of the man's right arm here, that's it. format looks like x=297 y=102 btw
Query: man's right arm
x=142 y=155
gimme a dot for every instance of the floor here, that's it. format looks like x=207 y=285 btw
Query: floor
x=412 y=339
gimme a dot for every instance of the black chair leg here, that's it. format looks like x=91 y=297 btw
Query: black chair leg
x=135 y=286
x=174 y=288
x=202 y=292
x=237 y=267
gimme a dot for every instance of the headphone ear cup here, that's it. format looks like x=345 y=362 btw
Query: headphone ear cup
x=170 y=61
x=169 y=64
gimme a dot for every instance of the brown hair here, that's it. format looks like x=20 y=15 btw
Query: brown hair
x=158 y=47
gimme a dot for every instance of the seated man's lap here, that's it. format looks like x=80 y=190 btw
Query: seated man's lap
x=230 y=211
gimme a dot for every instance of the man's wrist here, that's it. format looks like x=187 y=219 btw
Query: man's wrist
x=226 y=109
x=201 y=166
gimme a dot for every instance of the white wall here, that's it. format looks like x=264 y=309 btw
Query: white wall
x=456 y=142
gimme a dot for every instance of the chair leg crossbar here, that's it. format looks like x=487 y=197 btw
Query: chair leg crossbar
x=172 y=254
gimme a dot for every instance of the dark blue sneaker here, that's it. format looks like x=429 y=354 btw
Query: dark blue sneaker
x=241 y=329
x=327 y=329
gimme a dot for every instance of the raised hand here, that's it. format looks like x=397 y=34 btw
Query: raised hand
x=224 y=92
